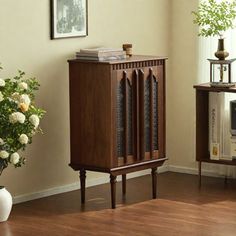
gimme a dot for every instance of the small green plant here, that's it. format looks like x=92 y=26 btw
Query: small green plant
x=19 y=117
x=214 y=18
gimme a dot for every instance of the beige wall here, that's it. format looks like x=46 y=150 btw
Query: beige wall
x=25 y=44
x=183 y=75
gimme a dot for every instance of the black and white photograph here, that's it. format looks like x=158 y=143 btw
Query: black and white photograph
x=68 y=18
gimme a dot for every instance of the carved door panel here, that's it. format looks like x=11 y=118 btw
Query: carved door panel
x=139 y=114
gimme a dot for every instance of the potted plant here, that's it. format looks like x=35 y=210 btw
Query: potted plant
x=19 y=122
x=214 y=18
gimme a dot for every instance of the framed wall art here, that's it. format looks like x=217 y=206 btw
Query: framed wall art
x=69 y=18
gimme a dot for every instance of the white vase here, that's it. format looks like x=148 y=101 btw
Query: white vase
x=5 y=204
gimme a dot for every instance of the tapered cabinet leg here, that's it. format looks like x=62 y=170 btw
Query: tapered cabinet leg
x=82 y=185
x=154 y=182
x=113 y=191
x=226 y=180
x=124 y=184
x=199 y=174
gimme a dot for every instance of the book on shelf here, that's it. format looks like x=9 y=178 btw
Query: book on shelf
x=233 y=147
x=215 y=124
x=227 y=155
x=219 y=135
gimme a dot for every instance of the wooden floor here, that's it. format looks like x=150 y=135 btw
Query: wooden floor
x=181 y=209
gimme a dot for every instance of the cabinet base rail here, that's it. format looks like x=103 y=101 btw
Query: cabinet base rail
x=113 y=181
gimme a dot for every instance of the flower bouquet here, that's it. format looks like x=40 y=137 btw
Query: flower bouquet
x=19 y=118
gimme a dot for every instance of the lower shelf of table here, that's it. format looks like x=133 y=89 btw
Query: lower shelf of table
x=223 y=162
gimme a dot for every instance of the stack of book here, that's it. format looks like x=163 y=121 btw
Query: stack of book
x=101 y=54
x=216 y=112
x=219 y=135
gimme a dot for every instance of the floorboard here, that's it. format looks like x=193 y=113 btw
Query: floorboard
x=181 y=209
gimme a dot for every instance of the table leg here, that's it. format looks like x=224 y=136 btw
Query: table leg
x=124 y=184
x=82 y=185
x=199 y=174
x=154 y=182
x=113 y=191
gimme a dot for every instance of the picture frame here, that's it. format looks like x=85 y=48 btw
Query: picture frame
x=69 y=18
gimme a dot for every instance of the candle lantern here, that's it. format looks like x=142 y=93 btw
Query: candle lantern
x=221 y=73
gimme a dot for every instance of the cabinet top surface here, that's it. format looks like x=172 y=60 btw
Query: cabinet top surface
x=208 y=87
x=134 y=58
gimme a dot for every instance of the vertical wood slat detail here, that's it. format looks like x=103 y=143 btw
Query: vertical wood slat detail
x=125 y=78
x=129 y=65
x=136 y=114
x=141 y=115
x=151 y=113
x=155 y=113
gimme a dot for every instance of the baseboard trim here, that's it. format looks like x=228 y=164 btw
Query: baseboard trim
x=103 y=180
x=76 y=186
x=193 y=171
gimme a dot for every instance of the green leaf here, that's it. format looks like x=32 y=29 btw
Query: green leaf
x=214 y=18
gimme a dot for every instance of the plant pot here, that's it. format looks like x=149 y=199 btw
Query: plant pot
x=5 y=204
x=221 y=54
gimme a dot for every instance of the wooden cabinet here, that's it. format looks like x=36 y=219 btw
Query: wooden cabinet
x=117 y=117
x=202 y=125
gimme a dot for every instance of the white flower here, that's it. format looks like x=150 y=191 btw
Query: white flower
x=34 y=120
x=15 y=158
x=24 y=98
x=1 y=141
x=23 y=85
x=15 y=97
x=23 y=139
x=17 y=117
x=4 y=154
x=2 y=83
x=1 y=96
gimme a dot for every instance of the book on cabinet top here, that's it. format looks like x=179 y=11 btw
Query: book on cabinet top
x=101 y=51
x=101 y=58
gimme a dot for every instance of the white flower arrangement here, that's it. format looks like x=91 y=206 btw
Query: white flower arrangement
x=4 y=154
x=19 y=118
x=15 y=158
x=34 y=120
x=2 y=82
x=1 y=96
x=23 y=85
x=23 y=139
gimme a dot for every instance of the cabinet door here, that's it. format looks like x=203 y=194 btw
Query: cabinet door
x=125 y=117
x=139 y=115
x=148 y=114
x=151 y=113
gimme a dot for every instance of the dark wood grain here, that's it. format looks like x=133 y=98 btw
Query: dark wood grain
x=209 y=88
x=140 y=59
x=82 y=184
x=136 y=114
x=90 y=114
x=161 y=110
x=113 y=190
x=124 y=184
x=125 y=78
x=154 y=183
x=93 y=115
x=202 y=124
x=181 y=209
x=151 y=112
x=141 y=116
